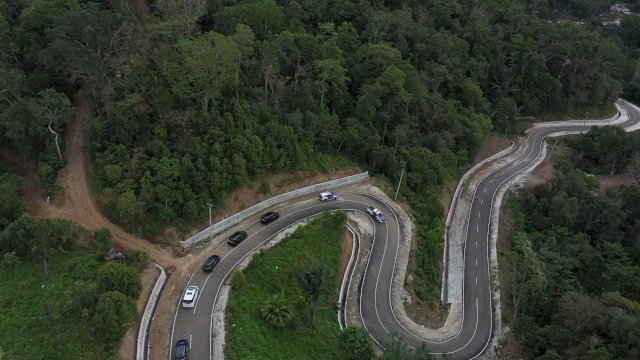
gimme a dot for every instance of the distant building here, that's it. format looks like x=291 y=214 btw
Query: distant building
x=619 y=9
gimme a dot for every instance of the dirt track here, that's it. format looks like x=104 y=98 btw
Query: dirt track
x=75 y=202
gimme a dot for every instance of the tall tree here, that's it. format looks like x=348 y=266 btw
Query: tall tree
x=88 y=45
x=212 y=65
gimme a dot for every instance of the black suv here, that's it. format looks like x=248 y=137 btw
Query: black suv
x=269 y=217
x=182 y=350
x=211 y=262
x=237 y=238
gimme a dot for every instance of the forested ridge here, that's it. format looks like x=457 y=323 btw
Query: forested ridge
x=571 y=281
x=200 y=97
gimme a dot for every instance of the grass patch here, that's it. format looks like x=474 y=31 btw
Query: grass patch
x=26 y=331
x=276 y=270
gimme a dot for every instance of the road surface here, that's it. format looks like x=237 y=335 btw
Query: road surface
x=375 y=300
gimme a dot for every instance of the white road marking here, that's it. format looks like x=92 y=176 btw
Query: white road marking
x=191 y=342
x=477 y=228
x=478 y=213
x=475 y=330
x=491 y=181
x=481 y=201
x=476 y=244
x=476 y=280
x=476 y=261
x=485 y=190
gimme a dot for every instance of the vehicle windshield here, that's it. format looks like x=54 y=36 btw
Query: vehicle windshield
x=180 y=351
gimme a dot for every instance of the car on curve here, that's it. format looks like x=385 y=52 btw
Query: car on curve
x=269 y=217
x=328 y=196
x=211 y=263
x=376 y=214
x=190 y=296
x=237 y=238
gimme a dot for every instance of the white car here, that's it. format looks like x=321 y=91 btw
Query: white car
x=190 y=296
x=376 y=214
x=328 y=196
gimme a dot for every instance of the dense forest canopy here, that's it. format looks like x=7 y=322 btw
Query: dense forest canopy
x=572 y=278
x=197 y=98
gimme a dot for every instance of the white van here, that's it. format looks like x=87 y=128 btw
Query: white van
x=190 y=296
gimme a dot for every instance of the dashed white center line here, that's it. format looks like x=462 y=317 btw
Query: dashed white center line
x=476 y=261
x=491 y=181
x=478 y=213
x=476 y=244
x=477 y=228
x=481 y=201
x=476 y=280
x=190 y=342
x=485 y=190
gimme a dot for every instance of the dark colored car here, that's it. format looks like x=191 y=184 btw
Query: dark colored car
x=237 y=238
x=182 y=350
x=269 y=217
x=211 y=263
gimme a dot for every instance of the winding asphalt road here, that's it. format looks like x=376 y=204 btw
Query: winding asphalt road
x=375 y=300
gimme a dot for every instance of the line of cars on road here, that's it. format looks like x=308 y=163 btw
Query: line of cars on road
x=191 y=293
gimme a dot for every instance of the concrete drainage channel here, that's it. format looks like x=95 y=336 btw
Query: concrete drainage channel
x=348 y=274
x=142 y=350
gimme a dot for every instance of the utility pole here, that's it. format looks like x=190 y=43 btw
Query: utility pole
x=210 y=205
x=399 y=182
x=584 y=124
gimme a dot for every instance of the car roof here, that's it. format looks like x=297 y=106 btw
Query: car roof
x=191 y=292
x=181 y=347
x=327 y=193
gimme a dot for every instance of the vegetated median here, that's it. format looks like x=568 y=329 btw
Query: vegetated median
x=283 y=305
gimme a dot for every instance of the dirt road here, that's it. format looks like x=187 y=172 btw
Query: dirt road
x=75 y=202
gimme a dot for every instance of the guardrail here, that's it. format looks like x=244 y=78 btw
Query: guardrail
x=143 y=331
x=236 y=218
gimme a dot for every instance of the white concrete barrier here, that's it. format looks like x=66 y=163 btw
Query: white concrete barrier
x=142 y=350
x=236 y=218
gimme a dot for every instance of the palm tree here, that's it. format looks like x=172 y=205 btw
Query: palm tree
x=276 y=311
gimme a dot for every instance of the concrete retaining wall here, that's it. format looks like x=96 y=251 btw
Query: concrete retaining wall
x=236 y=218
x=143 y=331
